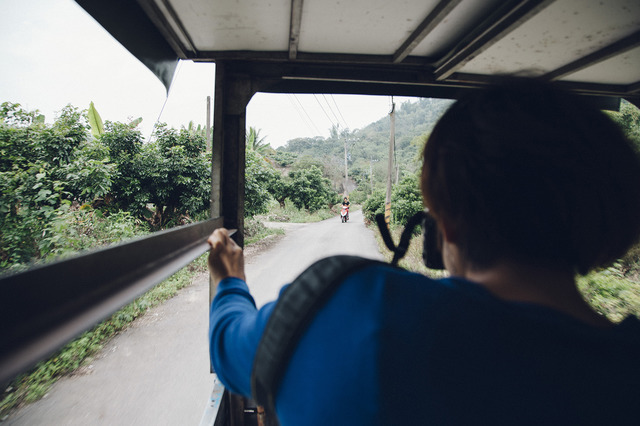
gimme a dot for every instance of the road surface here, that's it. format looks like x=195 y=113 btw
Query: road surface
x=157 y=371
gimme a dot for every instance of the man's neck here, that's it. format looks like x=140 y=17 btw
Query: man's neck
x=552 y=287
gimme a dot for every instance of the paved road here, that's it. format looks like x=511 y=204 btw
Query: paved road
x=157 y=371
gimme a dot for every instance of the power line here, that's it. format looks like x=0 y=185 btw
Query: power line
x=325 y=112
x=331 y=109
x=339 y=112
x=301 y=113
x=305 y=112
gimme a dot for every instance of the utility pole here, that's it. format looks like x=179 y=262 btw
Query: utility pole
x=371 y=173
x=346 y=172
x=392 y=137
x=208 y=123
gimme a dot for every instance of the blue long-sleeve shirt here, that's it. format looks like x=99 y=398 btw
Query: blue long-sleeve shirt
x=392 y=347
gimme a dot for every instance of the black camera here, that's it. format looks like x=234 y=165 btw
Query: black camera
x=431 y=244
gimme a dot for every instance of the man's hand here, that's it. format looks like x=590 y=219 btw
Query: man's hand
x=225 y=258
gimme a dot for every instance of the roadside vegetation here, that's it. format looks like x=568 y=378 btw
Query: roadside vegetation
x=79 y=184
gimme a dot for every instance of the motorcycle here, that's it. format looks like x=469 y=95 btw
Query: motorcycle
x=344 y=214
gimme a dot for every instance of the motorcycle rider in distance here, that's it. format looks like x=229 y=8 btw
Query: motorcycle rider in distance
x=345 y=205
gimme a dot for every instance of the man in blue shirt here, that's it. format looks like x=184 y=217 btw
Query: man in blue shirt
x=528 y=186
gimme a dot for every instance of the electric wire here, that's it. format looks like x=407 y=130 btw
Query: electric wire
x=300 y=113
x=340 y=112
x=331 y=109
x=325 y=112
x=307 y=114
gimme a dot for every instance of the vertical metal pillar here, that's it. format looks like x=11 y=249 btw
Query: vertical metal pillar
x=232 y=94
x=392 y=137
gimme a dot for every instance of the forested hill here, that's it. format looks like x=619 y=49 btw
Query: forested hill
x=368 y=148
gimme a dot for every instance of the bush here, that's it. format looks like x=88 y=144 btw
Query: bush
x=284 y=159
x=406 y=200
x=374 y=205
x=610 y=294
x=259 y=177
x=310 y=190
x=630 y=263
x=358 y=196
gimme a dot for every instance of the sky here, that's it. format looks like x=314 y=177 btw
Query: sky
x=52 y=53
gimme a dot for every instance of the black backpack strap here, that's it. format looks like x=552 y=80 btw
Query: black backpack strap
x=290 y=318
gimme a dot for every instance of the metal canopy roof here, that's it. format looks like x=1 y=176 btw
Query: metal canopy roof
x=425 y=46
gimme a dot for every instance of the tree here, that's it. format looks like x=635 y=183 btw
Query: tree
x=124 y=145
x=280 y=188
x=43 y=167
x=175 y=176
x=310 y=190
x=256 y=143
x=374 y=204
x=406 y=199
x=258 y=175
x=196 y=130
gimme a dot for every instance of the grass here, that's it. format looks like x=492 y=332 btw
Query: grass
x=254 y=231
x=412 y=260
x=295 y=215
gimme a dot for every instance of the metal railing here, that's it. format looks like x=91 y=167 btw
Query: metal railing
x=45 y=307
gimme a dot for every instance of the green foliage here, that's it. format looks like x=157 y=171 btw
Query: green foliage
x=292 y=214
x=42 y=169
x=95 y=121
x=195 y=130
x=11 y=114
x=175 y=176
x=406 y=200
x=124 y=146
x=259 y=176
x=255 y=230
x=310 y=190
x=374 y=205
x=629 y=265
x=611 y=294
x=412 y=260
x=368 y=147
x=279 y=187
x=358 y=196
x=258 y=144
x=629 y=120
x=306 y=162
x=76 y=229
x=284 y=159
x=48 y=171
x=90 y=175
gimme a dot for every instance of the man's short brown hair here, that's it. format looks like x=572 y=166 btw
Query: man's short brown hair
x=525 y=171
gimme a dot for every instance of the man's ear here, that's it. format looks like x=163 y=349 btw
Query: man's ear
x=448 y=230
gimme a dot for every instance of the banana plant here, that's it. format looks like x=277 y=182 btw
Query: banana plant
x=97 y=127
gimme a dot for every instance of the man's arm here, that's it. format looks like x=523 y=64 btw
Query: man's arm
x=235 y=325
x=235 y=329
